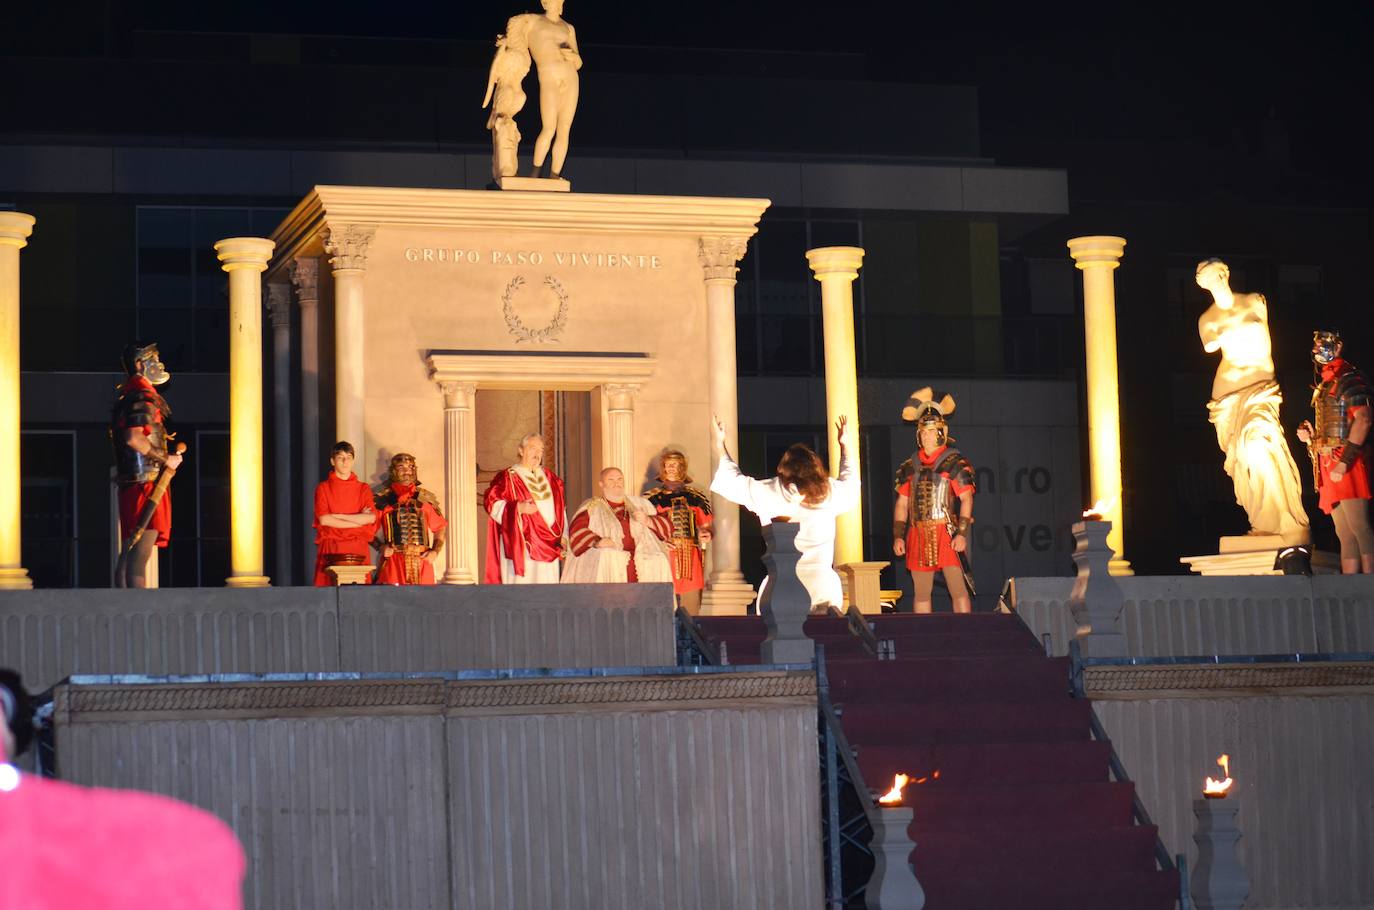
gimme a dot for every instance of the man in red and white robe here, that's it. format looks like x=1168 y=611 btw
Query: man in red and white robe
x=525 y=533
x=617 y=538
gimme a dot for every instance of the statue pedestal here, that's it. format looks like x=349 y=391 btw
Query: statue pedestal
x=535 y=184
x=1252 y=555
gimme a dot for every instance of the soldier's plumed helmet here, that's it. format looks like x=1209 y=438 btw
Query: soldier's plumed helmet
x=924 y=410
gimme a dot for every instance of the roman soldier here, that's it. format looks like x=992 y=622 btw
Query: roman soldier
x=1340 y=404
x=688 y=511
x=934 y=508
x=411 y=528
x=139 y=437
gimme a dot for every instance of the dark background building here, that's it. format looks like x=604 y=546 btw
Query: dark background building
x=960 y=151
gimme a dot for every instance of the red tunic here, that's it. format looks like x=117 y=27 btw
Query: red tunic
x=695 y=578
x=393 y=569
x=132 y=496
x=340 y=497
x=947 y=556
x=1355 y=483
x=582 y=538
x=520 y=537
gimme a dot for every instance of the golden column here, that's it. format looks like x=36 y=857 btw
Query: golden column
x=245 y=258
x=1098 y=258
x=15 y=228
x=836 y=267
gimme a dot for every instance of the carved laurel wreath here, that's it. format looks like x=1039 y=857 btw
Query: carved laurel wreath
x=518 y=328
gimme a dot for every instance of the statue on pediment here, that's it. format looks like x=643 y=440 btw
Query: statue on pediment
x=552 y=45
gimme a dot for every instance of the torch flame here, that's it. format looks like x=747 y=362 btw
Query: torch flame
x=1099 y=509
x=893 y=797
x=1218 y=789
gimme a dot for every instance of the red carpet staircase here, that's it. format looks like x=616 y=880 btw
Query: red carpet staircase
x=1023 y=814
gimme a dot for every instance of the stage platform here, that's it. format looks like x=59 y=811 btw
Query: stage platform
x=51 y=634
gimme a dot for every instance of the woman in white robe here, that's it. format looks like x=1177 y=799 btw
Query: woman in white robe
x=802 y=493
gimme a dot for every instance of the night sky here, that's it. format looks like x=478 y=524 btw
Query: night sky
x=1134 y=101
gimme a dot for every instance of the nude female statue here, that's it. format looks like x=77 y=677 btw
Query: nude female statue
x=1245 y=407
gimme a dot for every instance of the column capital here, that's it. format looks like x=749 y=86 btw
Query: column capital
x=620 y=394
x=244 y=253
x=720 y=255
x=458 y=394
x=15 y=228
x=1097 y=251
x=305 y=275
x=347 y=245
x=843 y=261
x=279 y=304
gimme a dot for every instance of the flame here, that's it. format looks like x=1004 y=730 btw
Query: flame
x=1099 y=509
x=1219 y=788
x=893 y=797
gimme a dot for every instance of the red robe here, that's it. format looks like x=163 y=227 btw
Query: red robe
x=520 y=537
x=340 y=497
x=393 y=568
x=947 y=556
x=1355 y=483
x=582 y=538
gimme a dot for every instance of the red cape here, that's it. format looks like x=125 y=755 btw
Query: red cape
x=521 y=537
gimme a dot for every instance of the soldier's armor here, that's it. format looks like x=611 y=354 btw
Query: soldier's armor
x=686 y=536
x=404 y=527
x=1332 y=402
x=405 y=524
x=932 y=506
x=141 y=408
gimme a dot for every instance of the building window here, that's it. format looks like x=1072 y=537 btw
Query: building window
x=48 y=507
x=182 y=293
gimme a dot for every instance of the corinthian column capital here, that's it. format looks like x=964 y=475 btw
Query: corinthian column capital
x=458 y=394
x=305 y=275
x=720 y=256
x=347 y=245
x=279 y=303
x=620 y=395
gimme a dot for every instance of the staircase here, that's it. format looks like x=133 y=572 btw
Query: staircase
x=1023 y=813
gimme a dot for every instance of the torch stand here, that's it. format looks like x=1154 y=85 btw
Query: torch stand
x=893 y=885
x=1096 y=600
x=1219 y=881
x=785 y=602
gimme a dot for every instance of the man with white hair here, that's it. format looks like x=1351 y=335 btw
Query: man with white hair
x=525 y=533
x=617 y=537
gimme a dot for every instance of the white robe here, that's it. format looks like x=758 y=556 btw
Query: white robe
x=609 y=564
x=816 y=538
x=536 y=573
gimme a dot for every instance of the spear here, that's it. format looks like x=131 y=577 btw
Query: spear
x=164 y=479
